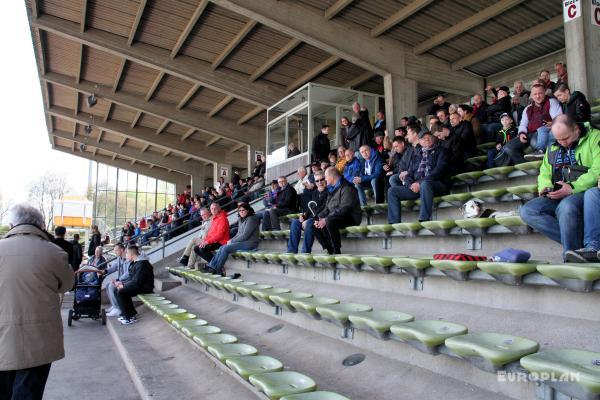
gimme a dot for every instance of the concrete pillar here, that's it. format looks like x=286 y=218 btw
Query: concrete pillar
x=582 y=44
x=401 y=99
x=219 y=169
x=181 y=184
x=198 y=179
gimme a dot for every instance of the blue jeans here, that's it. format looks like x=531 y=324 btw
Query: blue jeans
x=223 y=252
x=395 y=180
x=296 y=233
x=376 y=185
x=428 y=190
x=542 y=138
x=559 y=220
x=591 y=219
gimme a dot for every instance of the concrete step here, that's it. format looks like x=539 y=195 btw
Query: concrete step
x=320 y=356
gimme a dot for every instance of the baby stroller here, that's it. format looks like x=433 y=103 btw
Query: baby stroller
x=87 y=299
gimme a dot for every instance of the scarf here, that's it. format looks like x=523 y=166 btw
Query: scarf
x=424 y=166
x=333 y=188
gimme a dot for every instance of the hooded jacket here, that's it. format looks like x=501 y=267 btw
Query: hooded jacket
x=376 y=164
x=219 y=229
x=577 y=107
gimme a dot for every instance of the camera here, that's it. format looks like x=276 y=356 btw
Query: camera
x=82 y=147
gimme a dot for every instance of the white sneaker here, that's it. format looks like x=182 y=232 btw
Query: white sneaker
x=114 y=312
x=128 y=321
x=110 y=309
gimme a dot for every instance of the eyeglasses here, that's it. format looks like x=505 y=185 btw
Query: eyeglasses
x=319 y=180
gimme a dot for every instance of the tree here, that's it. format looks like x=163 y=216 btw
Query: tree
x=4 y=207
x=46 y=189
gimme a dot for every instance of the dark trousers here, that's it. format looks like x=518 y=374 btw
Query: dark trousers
x=329 y=236
x=125 y=300
x=207 y=252
x=24 y=384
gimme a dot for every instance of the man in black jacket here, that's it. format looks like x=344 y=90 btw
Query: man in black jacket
x=439 y=103
x=59 y=240
x=466 y=136
x=320 y=145
x=141 y=281
x=450 y=140
x=77 y=252
x=573 y=104
x=360 y=132
x=285 y=203
x=342 y=210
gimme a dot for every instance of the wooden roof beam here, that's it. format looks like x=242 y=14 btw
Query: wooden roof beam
x=188 y=28
x=80 y=64
x=212 y=141
x=123 y=142
x=509 y=43
x=167 y=153
x=136 y=22
x=154 y=86
x=162 y=126
x=84 y=7
x=336 y=8
x=108 y=110
x=274 y=59
x=133 y=162
x=190 y=93
x=399 y=16
x=220 y=105
x=74 y=131
x=136 y=119
x=360 y=79
x=236 y=148
x=100 y=136
x=119 y=75
x=249 y=115
x=234 y=43
x=189 y=133
x=146 y=147
x=466 y=24
x=313 y=73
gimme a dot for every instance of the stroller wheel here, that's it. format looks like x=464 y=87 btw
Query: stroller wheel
x=70 y=318
x=103 y=315
x=76 y=317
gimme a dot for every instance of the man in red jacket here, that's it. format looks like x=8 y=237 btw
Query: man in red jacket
x=217 y=236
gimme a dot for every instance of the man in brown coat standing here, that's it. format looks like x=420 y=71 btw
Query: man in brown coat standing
x=33 y=272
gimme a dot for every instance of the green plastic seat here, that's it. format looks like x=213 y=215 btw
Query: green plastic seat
x=407 y=204
x=381 y=229
x=458 y=270
x=378 y=323
x=288 y=258
x=148 y=295
x=409 y=229
x=273 y=258
x=220 y=283
x=338 y=313
x=263 y=294
x=414 y=266
x=469 y=177
x=318 y=395
x=436 y=200
x=265 y=235
x=277 y=234
x=231 y=286
x=477 y=161
x=378 y=263
x=499 y=173
x=367 y=209
x=530 y=168
x=439 y=228
x=289 y=217
x=180 y=317
x=490 y=195
x=226 y=351
x=259 y=256
x=506 y=272
x=486 y=146
x=284 y=299
x=379 y=207
x=189 y=323
x=249 y=255
x=585 y=365
x=247 y=290
x=253 y=365
x=491 y=351
x=358 y=230
x=217 y=281
x=305 y=259
x=163 y=312
x=192 y=331
x=350 y=261
x=157 y=302
x=476 y=226
x=426 y=335
x=325 y=260
x=278 y=384
x=214 y=338
x=524 y=192
x=576 y=277
x=309 y=305
x=514 y=223
x=457 y=199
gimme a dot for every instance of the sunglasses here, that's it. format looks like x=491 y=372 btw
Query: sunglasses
x=319 y=180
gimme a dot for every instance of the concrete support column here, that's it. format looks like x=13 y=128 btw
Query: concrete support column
x=180 y=184
x=401 y=99
x=582 y=44
x=218 y=171
x=198 y=179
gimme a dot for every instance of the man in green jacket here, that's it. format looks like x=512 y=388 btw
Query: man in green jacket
x=571 y=166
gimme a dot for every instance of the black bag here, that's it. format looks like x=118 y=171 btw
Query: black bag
x=502 y=159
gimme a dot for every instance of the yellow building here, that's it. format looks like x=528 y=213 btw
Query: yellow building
x=73 y=211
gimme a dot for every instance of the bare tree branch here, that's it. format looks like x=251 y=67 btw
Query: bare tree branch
x=44 y=191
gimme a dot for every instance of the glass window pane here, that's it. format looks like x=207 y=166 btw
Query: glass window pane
x=162 y=187
x=277 y=142
x=151 y=188
x=131 y=181
x=298 y=132
x=324 y=114
x=142 y=182
x=131 y=211
x=112 y=178
x=122 y=180
x=170 y=188
x=102 y=176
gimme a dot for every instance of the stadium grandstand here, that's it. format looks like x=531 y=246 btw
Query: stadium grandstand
x=323 y=200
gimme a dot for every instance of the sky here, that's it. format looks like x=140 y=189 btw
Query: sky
x=26 y=152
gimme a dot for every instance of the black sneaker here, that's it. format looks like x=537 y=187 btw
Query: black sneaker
x=536 y=155
x=582 y=255
x=236 y=276
x=184 y=260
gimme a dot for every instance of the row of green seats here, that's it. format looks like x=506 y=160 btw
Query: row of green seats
x=489 y=351
x=265 y=373
x=499 y=173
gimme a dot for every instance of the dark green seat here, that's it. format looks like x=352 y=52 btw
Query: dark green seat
x=214 y=338
x=338 y=313
x=514 y=223
x=266 y=235
x=499 y=173
x=477 y=161
x=491 y=351
x=457 y=199
x=219 y=283
x=378 y=323
x=252 y=365
x=192 y=331
x=284 y=299
x=350 y=261
x=378 y=263
x=263 y=294
x=305 y=259
x=260 y=256
x=469 y=178
x=523 y=192
x=486 y=146
x=325 y=260
x=426 y=335
x=407 y=204
x=506 y=272
x=410 y=229
x=226 y=351
x=436 y=200
x=245 y=290
x=289 y=217
x=360 y=230
x=288 y=258
x=319 y=395
x=580 y=364
x=309 y=305
x=413 y=266
x=381 y=229
x=231 y=286
x=458 y=270
x=379 y=207
x=189 y=323
x=439 y=228
x=272 y=257
x=530 y=168
x=490 y=195
x=278 y=384
x=476 y=226
x=576 y=277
